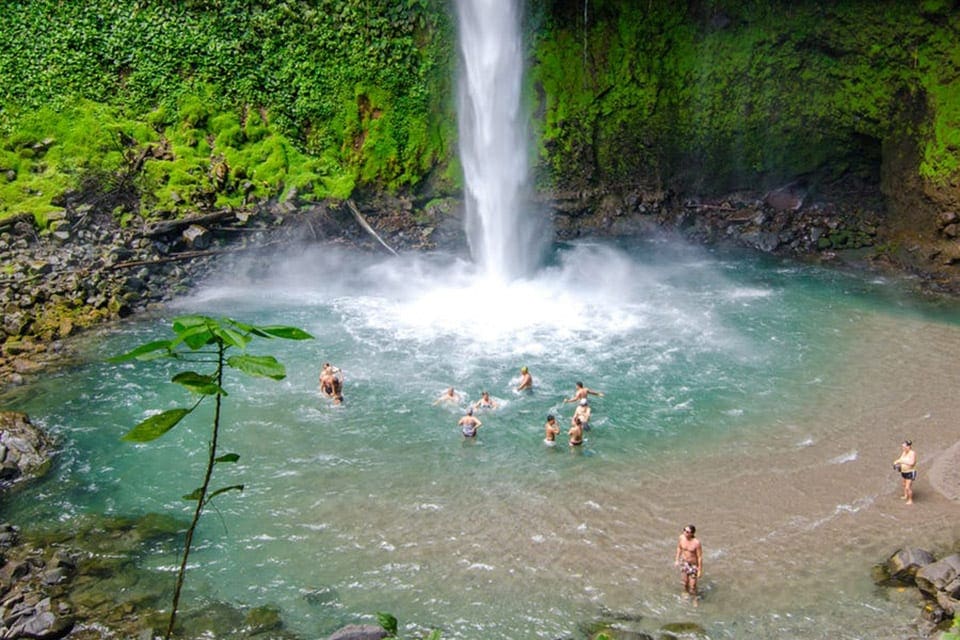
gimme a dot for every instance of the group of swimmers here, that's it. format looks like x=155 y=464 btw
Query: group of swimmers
x=469 y=424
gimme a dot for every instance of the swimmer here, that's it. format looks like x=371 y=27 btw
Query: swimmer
x=469 y=424
x=526 y=380
x=331 y=382
x=576 y=432
x=450 y=396
x=552 y=430
x=581 y=393
x=485 y=402
x=584 y=412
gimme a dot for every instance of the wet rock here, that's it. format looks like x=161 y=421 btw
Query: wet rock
x=936 y=576
x=359 y=632
x=903 y=565
x=196 y=237
x=26 y=448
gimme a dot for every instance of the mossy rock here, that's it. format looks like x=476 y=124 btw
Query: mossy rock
x=263 y=619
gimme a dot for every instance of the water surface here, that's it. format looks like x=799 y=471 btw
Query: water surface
x=760 y=400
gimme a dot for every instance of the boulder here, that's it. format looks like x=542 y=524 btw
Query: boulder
x=903 y=565
x=26 y=448
x=936 y=576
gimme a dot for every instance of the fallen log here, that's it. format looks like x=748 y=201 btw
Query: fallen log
x=366 y=227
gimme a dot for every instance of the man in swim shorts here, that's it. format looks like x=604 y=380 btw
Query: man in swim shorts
x=906 y=464
x=581 y=393
x=469 y=424
x=552 y=430
x=689 y=558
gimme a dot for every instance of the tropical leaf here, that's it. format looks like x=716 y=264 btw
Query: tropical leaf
x=155 y=426
x=234 y=487
x=194 y=336
x=260 y=366
x=289 y=333
x=198 y=383
x=145 y=352
x=230 y=337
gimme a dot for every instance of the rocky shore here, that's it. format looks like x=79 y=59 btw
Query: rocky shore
x=88 y=268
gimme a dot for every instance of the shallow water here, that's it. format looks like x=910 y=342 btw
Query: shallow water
x=761 y=400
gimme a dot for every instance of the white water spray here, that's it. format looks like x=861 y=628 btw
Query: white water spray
x=506 y=236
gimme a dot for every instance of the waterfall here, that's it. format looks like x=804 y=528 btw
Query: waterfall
x=506 y=235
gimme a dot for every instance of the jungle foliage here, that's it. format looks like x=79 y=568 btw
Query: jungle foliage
x=238 y=99
x=728 y=94
x=211 y=103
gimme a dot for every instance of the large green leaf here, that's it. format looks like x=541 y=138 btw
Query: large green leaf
x=260 y=366
x=198 y=383
x=145 y=352
x=195 y=337
x=182 y=323
x=230 y=337
x=289 y=333
x=155 y=426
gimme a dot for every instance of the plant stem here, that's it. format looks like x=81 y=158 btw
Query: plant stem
x=201 y=499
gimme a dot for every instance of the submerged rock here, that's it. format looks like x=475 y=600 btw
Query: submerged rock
x=359 y=632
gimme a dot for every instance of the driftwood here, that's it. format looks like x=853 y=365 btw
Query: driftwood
x=168 y=226
x=187 y=255
x=366 y=227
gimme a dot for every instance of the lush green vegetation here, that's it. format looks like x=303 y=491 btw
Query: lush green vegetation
x=223 y=102
x=733 y=93
x=240 y=99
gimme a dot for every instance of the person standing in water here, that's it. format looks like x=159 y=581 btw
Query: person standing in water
x=526 y=380
x=575 y=432
x=581 y=393
x=552 y=430
x=906 y=464
x=469 y=424
x=583 y=412
x=689 y=558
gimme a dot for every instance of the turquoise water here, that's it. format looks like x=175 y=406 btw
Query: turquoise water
x=380 y=504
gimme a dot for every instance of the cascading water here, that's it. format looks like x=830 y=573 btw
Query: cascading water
x=506 y=236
